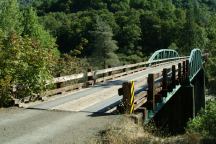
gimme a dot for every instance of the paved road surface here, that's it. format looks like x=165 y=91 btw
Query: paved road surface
x=27 y=126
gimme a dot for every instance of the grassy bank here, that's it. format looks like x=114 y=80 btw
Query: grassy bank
x=201 y=129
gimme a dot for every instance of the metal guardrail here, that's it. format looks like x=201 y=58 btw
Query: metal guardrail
x=196 y=62
x=163 y=54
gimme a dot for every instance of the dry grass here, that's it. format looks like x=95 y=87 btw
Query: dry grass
x=125 y=131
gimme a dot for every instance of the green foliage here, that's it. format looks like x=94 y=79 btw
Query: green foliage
x=5 y=91
x=11 y=17
x=26 y=64
x=104 y=46
x=33 y=29
x=129 y=26
x=27 y=53
x=68 y=65
x=205 y=122
x=139 y=26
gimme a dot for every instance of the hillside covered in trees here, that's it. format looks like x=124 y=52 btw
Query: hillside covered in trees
x=41 y=39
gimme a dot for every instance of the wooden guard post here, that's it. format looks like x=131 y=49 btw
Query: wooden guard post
x=151 y=104
x=179 y=73
x=187 y=79
x=173 y=76
x=128 y=92
x=60 y=84
x=109 y=73
x=90 y=79
x=165 y=82
x=184 y=71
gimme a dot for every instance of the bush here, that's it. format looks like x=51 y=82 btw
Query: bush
x=5 y=91
x=25 y=64
x=68 y=65
x=205 y=123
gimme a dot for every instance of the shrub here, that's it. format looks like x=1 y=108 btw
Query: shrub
x=205 y=123
x=24 y=64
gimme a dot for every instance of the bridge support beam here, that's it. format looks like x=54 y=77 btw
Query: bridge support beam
x=177 y=111
x=187 y=103
x=199 y=90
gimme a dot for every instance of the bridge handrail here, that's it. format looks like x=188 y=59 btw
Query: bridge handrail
x=103 y=71
x=163 y=54
x=157 y=83
x=195 y=62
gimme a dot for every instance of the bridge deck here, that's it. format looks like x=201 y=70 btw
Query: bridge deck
x=101 y=97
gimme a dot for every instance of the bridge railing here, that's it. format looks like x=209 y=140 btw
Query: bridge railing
x=93 y=77
x=163 y=54
x=155 y=92
x=196 y=62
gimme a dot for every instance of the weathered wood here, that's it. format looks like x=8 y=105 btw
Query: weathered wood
x=126 y=89
x=59 y=84
x=165 y=82
x=67 y=78
x=110 y=77
x=140 y=95
x=140 y=103
x=173 y=76
x=157 y=90
x=112 y=73
x=134 y=65
x=184 y=71
x=90 y=79
x=151 y=93
x=64 y=89
x=98 y=72
x=187 y=69
x=158 y=84
x=179 y=73
x=119 y=68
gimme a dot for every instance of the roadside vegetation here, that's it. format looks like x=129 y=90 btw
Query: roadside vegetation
x=200 y=130
x=125 y=131
x=205 y=123
x=42 y=39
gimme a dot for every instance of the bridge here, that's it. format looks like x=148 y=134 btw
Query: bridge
x=169 y=97
x=167 y=89
x=165 y=84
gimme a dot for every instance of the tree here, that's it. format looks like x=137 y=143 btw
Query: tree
x=25 y=65
x=129 y=34
x=205 y=123
x=103 y=45
x=27 y=53
x=35 y=30
x=194 y=34
x=11 y=17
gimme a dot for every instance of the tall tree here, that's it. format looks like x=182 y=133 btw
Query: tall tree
x=11 y=17
x=194 y=35
x=35 y=30
x=103 y=45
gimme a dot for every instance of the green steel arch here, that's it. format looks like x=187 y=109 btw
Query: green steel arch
x=195 y=62
x=163 y=54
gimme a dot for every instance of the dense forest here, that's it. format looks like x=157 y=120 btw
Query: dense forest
x=41 y=39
